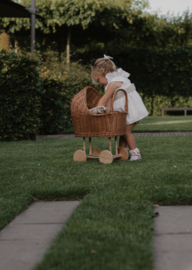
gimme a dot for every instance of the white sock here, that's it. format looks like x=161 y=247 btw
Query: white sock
x=134 y=151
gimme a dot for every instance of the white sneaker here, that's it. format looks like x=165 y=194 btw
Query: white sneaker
x=135 y=154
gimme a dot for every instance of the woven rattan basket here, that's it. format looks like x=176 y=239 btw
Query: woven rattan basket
x=87 y=124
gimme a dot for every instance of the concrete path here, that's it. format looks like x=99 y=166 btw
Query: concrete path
x=25 y=240
x=172 y=240
x=178 y=133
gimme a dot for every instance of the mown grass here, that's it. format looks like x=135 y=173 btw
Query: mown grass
x=163 y=124
x=158 y=123
x=112 y=227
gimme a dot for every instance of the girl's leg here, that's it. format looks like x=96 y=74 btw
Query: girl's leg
x=128 y=138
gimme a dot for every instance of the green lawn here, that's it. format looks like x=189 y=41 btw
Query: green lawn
x=112 y=227
x=167 y=123
x=158 y=123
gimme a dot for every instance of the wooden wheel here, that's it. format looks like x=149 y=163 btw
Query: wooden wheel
x=106 y=157
x=79 y=155
x=96 y=151
x=124 y=153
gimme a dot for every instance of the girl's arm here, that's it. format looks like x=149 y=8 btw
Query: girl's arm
x=111 y=88
x=109 y=103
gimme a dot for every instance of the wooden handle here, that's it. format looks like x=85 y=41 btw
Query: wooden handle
x=126 y=100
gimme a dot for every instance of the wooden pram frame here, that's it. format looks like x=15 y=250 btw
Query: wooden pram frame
x=105 y=156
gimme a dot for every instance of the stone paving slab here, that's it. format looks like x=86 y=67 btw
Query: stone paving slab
x=173 y=219
x=173 y=252
x=172 y=239
x=19 y=255
x=39 y=213
x=65 y=136
x=179 y=243
x=31 y=232
x=24 y=241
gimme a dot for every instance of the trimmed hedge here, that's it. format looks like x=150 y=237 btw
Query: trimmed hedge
x=52 y=107
x=19 y=98
x=58 y=91
x=35 y=99
x=162 y=73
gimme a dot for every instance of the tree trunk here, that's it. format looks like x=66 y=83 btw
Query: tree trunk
x=16 y=46
x=68 y=45
x=59 y=49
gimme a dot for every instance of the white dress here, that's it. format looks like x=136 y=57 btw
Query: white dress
x=136 y=109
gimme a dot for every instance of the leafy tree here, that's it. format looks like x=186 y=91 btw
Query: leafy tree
x=63 y=17
x=154 y=32
x=108 y=25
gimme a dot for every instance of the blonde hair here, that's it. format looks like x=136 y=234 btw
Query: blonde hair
x=101 y=67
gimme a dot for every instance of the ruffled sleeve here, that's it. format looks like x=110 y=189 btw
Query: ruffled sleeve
x=119 y=73
x=118 y=76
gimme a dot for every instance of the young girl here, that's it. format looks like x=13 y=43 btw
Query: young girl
x=105 y=73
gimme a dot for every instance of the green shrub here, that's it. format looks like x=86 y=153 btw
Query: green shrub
x=35 y=97
x=19 y=97
x=60 y=83
x=52 y=108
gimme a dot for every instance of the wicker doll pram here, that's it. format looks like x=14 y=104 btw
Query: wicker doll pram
x=88 y=124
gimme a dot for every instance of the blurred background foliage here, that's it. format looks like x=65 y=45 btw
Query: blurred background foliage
x=104 y=23
x=155 y=50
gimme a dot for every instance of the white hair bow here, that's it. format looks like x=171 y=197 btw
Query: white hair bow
x=107 y=57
